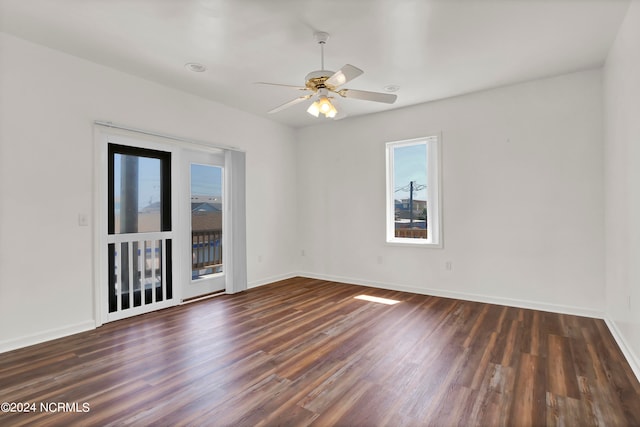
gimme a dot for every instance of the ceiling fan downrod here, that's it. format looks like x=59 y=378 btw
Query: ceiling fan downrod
x=321 y=38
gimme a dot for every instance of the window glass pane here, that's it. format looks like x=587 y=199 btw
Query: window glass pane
x=206 y=220
x=137 y=190
x=410 y=191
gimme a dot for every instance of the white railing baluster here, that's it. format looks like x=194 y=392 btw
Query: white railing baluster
x=131 y=281
x=163 y=245
x=153 y=271
x=118 y=273
x=143 y=293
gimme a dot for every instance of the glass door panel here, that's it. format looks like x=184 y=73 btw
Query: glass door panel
x=204 y=205
x=206 y=220
x=139 y=230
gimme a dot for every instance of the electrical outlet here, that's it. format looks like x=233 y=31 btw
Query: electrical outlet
x=448 y=265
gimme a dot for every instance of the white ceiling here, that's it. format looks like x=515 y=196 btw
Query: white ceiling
x=432 y=49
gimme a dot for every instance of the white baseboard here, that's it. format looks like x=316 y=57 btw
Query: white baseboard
x=266 y=281
x=51 y=334
x=534 y=305
x=633 y=360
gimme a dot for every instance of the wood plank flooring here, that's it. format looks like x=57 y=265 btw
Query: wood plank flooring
x=305 y=352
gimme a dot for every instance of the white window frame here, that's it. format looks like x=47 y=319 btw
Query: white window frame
x=434 y=193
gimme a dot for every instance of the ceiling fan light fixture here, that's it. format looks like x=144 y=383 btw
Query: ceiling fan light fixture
x=314 y=109
x=332 y=110
x=322 y=105
x=325 y=105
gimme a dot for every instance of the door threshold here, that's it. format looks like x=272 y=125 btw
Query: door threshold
x=203 y=297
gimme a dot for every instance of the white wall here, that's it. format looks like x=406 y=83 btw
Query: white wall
x=523 y=197
x=622 y=185
x=48 y=102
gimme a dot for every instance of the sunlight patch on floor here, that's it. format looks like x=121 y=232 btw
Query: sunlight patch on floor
x=377 y=299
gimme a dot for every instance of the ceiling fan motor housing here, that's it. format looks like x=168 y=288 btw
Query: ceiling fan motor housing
x=316 y=79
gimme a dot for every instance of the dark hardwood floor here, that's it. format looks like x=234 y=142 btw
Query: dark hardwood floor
x=305 y=352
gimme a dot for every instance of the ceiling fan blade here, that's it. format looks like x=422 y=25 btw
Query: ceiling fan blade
x=343 y=75
x=387 y=98
x=278 y=84
x=341 y=115
x=290 y=103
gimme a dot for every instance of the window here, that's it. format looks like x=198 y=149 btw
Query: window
x=413 y=192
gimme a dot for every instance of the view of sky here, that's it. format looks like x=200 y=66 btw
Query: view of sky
x=410 y=164
x=206 y=180
x=148 y=180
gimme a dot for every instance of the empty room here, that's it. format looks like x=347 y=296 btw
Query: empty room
x=328 y=213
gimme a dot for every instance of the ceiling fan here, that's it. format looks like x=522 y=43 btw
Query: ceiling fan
x=324 y=83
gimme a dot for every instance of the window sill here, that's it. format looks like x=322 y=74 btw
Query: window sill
x=413 y=243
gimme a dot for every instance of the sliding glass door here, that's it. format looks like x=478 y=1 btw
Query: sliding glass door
x=170 y=223
x=139 y=234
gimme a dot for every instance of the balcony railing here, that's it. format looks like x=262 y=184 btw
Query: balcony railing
x=206 y=249
x=411 y=233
